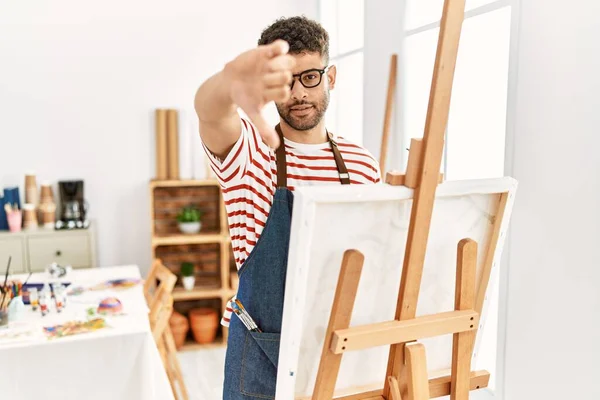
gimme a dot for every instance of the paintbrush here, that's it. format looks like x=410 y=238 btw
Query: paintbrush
x=5 y=289
x=27 y=280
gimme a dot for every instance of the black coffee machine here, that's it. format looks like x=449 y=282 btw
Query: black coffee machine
x=73 y=214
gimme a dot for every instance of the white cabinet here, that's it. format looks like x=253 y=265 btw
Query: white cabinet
x=32 y=251
x=13 y=247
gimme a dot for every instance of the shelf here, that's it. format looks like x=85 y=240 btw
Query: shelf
x=202 y=238
x=191 y=345
x=183 y=182
x=180 y=294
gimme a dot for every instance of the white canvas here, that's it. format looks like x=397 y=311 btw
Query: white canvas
x=374 y=220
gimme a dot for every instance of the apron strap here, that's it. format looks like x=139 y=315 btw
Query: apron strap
x=339 y=161
x=280 y=157
x=282 y=165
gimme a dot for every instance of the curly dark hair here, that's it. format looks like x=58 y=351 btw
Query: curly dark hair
x=302 y=34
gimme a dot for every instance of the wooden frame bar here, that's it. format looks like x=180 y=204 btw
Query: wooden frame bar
x=392 y=332
x=418 y=384
x=463 y=342
x=489 y=256
x=341 y=313
x=438 y=387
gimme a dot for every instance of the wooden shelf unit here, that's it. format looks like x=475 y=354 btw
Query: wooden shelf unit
x=212 y=244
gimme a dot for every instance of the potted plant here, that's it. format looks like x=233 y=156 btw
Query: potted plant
x=189 y=219
x=187 y=275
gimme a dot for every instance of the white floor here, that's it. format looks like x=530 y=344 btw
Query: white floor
x=203 y=373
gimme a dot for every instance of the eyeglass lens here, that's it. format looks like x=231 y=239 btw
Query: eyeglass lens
x=309 y=79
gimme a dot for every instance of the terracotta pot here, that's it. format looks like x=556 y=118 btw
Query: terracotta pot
x=180 y=327
x=204 y=323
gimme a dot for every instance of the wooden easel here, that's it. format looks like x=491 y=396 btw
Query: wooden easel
x=406 y=376
x=389 y=106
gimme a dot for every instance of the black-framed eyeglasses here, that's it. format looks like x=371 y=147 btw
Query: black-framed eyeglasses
x=310 y=78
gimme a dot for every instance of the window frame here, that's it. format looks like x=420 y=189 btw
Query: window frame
x=334 y=59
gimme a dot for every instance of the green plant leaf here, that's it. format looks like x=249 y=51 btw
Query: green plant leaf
x=189 y=214
x=187 y=269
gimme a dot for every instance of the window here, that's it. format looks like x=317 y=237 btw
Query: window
x=476 y=124
x=345 y=25
x=474 y=146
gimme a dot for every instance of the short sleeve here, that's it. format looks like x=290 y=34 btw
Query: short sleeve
x=248 y=153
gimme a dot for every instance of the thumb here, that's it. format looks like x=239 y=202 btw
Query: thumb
x=266 y=131
x=277 y=48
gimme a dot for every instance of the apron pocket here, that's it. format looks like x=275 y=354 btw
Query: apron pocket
x=259 y=364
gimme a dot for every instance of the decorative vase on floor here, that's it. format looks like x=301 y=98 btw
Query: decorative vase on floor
x=179 y=327
x=204 y=323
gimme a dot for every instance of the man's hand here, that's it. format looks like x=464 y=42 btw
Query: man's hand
x=257 y=77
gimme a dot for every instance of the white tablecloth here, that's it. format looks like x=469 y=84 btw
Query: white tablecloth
x=118 y=362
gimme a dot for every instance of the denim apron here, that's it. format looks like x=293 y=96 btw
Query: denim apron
x=251 y=358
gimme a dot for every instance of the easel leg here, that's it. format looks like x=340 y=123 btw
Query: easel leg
x=341 y=314
x=431 y=157
x=462 y=348
x=394 y=388
x=416 y=365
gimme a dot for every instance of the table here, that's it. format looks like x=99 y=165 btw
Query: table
x=117 y=362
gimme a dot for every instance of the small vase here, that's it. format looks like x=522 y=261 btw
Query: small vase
x=190 y=227
x=189 y=282
x=179 y=327
x=204 y=323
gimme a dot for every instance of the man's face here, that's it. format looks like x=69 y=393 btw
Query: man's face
x=307 y=105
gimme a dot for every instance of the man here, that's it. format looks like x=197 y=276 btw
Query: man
x=258 y=167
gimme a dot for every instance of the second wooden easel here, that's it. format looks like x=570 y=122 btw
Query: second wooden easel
x=406 y=376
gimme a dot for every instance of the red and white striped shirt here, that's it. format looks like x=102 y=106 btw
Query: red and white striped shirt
x=248 y=178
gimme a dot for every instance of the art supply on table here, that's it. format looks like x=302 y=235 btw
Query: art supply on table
x=74 y=328
x=111 y=306
x=240 y=311
x=117 y=284
x=59 y=297
x=57 y=271
x=45 y=300
x=34 y=299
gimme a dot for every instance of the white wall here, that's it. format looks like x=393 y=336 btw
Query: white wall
x=553 y=328
x=79 y=82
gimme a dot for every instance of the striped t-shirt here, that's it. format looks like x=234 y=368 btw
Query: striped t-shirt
x=248 y=179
